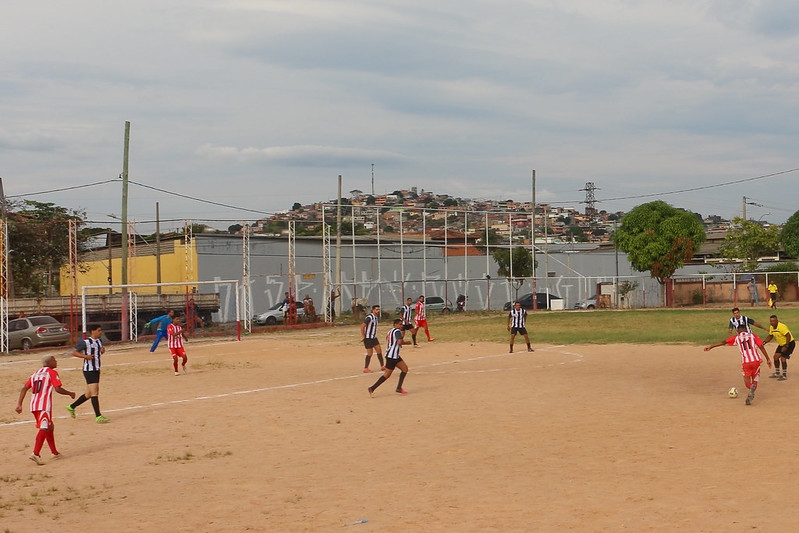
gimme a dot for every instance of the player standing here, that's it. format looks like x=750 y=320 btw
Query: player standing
x=420 y=320
x=785 y=346
x=737 y=319
x=748 y=343
x=517 y=320
x=43 y=382
x=394 y=341
x=175 y=336
x=90 y=350
x=369 y=338
x=406 y=314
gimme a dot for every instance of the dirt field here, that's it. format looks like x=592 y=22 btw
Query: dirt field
x=278 y=433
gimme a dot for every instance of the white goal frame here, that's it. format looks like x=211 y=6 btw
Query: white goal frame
x=131 y=319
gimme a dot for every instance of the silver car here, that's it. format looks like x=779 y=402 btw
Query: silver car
x=275 y=315
x=33 y=331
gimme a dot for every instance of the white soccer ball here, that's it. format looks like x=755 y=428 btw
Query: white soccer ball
x=733 y=392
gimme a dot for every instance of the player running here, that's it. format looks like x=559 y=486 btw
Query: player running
x=748 y=344
x=394 y=341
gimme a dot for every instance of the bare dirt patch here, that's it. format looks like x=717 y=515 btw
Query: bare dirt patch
x=278 y=433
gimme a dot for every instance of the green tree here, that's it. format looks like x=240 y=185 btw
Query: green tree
x=790 y=236
x=38 y=236
x=296 y=207
x=659 y=238
x=522 y=260
x=749 y=241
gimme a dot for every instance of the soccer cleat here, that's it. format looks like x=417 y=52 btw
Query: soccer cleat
x=177 y=373
x=774 y=375
x=36 y=459
x=185 y=369
x=511 y=350
x=367 y=371
x=371 y=392
x=431 y=339
x=402 y=391
x=530 y=349
x=57 y=455
x=101 y=419
x=748 y=400
x=71 y=411
x=782 y=378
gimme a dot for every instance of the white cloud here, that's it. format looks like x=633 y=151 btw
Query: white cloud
x=459 y=97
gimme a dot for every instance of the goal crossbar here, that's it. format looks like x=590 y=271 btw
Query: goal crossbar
x=235 y=282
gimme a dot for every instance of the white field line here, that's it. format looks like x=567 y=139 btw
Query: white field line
x=577 y=359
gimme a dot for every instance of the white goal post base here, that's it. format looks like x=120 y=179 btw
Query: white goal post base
x=126 y=286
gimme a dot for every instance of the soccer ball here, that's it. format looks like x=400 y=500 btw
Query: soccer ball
x=733 y=392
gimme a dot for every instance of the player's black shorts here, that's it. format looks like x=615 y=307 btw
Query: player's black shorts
x=522 y=331
x=392 y=363
x=406 y=327
x=786 y=350
x=371 y=343
x=92 y=376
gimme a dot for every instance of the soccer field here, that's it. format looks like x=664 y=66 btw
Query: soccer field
x=277 y=433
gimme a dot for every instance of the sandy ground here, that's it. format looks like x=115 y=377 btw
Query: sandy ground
x=278 y=433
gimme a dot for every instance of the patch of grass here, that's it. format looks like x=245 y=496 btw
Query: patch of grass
x=645 y=326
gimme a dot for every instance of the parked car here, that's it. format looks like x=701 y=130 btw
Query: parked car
x=34 y=331
x=431 y=304
x=589 y=303
x=275 y=315
x=527 y=301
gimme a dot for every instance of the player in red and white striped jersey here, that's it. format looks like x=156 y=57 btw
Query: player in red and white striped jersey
x=42 y=384
x=750 y=346
x=175 y=336
x=420 y=321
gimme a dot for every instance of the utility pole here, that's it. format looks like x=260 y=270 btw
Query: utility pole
x=124 y=232
x=535 y=299
x=373 y=179
x=338 y=246
x=744 y=208
x=158 y=247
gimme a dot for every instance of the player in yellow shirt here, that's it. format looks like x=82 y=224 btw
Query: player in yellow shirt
x=785 y=346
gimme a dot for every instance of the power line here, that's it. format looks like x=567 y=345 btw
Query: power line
x=63 y=189
x=228 y=206
x=704 y=187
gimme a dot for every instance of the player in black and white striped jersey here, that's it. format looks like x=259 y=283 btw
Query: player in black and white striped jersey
x=90 y=350
x=517 y=320
x=369 y=337
x=394 y=342
x=406 y=314
x=738 y=319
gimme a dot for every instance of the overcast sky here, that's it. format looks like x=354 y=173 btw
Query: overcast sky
x=262 y=103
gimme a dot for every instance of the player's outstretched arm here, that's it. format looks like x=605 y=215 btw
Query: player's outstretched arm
x=65 y=392
x=708 y=348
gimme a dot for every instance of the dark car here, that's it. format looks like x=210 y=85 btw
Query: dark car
x=527 y=301
x=33 y=331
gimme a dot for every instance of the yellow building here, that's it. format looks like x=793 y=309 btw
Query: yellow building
x=104 y=267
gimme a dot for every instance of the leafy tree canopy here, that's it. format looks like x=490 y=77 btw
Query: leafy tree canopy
x=659 y=238
x=790 y=236
x=749 y=241
x=38 y=235
x=521 y=258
